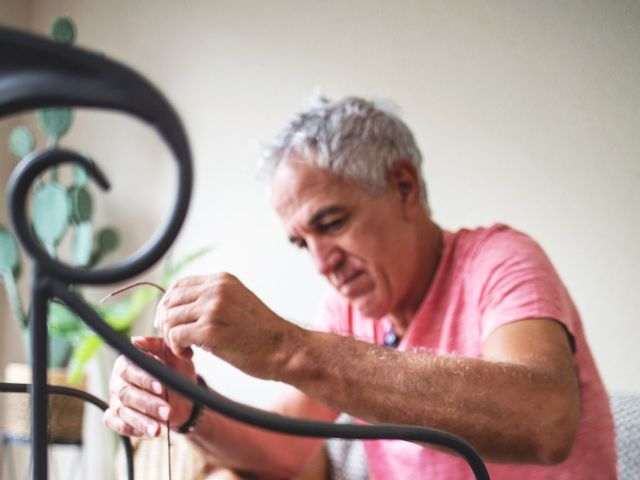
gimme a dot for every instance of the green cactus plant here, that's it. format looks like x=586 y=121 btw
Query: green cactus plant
x=58 y=211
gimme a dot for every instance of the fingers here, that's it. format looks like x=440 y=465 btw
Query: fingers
x=192 y=294
x=167 y=317
x=139 y=422
x=138 y=406
x=129 y=395
x=156 y=346
x=182 y=294
x=181 y=314
x=181 y=338
x=189 y=289
x=129 y=422
x=149 y=344
x=127 y=372
x=191 y=300
x=112 y=420
x=134 y=411
x=137 y=403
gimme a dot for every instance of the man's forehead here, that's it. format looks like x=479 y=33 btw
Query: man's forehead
x=305 y=193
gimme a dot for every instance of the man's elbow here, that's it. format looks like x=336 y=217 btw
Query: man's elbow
x=556 y=439
x=554 y=452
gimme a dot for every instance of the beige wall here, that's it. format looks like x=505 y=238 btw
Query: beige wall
x=15 y=14
x=527 y=113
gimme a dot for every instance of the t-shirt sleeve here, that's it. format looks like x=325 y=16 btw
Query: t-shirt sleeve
x=513 y=280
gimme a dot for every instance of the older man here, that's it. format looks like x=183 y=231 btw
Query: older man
x=471 y=332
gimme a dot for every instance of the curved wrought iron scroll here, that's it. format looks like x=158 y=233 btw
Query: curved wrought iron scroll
x=81 y=395
x=35 y=73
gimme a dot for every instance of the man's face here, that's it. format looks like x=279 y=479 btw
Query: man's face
x=362 y=244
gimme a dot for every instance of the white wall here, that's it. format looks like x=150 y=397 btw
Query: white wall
x=527 y=113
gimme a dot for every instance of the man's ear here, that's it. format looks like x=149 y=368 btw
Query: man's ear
x=404 y=181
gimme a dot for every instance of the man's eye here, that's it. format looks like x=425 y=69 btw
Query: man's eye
x=331 y=226
x=300 y=244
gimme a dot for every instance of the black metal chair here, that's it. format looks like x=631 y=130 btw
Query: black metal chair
x=79 y=394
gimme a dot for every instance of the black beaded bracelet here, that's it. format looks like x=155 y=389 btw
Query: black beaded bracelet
x=188 y=426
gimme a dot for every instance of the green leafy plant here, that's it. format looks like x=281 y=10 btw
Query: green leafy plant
x=62 y=211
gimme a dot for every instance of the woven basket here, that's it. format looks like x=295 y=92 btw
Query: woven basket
x=65 y=413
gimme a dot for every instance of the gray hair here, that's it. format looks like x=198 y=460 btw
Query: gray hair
x=352 y=138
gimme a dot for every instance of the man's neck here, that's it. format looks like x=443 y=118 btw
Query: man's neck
x=429 y=250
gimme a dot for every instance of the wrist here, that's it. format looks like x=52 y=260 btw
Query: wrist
x=196 y=412
x=301 y=363
x=284 y=351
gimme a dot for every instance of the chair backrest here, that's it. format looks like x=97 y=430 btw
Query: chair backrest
x=347 y=458
x=626 y=415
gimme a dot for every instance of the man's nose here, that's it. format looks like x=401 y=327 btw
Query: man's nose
x=326 y=256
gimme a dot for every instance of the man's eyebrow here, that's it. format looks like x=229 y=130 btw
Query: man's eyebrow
x=323 y=212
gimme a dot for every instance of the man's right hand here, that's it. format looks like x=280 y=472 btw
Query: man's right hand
x=137 y=406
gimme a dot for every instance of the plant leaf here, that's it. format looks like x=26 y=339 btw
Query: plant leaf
x=55 y=121
x=21 y=142
x=15 y=302
x=9 y=252
x=83 y=243
x=81 y=356
x=81 y=204
x=63 y=30
x=50 y=214
x=66 y=324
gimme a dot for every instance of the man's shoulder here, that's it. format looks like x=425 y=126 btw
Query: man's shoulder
x=471 y=242
x=488 y=251
x=482 y=234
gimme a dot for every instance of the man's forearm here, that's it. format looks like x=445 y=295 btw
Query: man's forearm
x=509 y=412
x=241 y=447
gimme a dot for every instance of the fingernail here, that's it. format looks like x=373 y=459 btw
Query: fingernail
x=157 y=387
x=152 y=429
x=163 y=412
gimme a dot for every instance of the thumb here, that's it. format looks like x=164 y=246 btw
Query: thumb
x=149 y=344
x=156 y=346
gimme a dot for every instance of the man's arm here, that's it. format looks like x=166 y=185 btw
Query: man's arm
x=519 y=404
x=138 y=408
x=248 y=449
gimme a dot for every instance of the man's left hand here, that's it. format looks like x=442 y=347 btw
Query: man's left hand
x=220 y=315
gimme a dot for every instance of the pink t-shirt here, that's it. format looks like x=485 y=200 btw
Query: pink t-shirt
x=487 y=277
